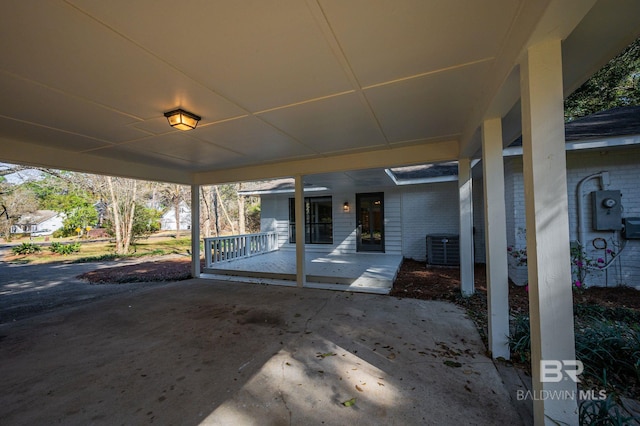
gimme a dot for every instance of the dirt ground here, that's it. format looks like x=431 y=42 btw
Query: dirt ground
x=414 y=281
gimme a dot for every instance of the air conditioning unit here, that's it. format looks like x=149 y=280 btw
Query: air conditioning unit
x=443 y=250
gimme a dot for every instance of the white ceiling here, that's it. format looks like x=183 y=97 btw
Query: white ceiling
x=283 y=87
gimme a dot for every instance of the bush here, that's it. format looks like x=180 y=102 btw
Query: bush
x=65 y=249
x=26 y=248
x=604 y=412
x=608 y=346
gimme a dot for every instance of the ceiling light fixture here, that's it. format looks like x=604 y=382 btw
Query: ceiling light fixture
x=182 y=120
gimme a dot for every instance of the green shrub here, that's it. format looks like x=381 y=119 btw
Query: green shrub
x=609 y=349
x=603 y=413
x=26 y=248
x=65 y=249
x=520 y=339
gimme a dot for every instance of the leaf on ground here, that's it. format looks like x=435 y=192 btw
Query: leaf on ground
x=321 y=355
x=391 y=356
x=349 y=402
x=380 y=384
x=453 y=364
x=359 y=389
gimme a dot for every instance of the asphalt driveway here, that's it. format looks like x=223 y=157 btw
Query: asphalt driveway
x=27 y=290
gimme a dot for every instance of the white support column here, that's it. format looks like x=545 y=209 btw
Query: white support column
x=465 y=191
x=495 y=221
x=195 y=231
x=547 y=218
x=301 y=273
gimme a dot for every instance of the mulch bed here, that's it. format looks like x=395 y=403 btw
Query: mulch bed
x=417 y=281
x=414 y=280
x=160 y=270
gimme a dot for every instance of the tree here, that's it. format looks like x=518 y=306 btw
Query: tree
x=65 y=193
x=122 y=195
x=146 y=221
x=617 y=84
x=172 y=195
x=241 y=211
x=80 y=217
x=15 y=201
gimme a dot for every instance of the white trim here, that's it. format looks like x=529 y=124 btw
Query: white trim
x=613 y=142
x=435 y=179
x=282 y=191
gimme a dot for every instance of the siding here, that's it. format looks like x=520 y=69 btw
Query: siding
x=623 y=166
x=428 y=209
x=274 y=216
x=393 y=222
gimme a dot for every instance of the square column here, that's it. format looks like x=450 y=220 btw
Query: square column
x=547 y=218
x=195 y=231
x=496 y=239
x=301 y=274
x=465 y=191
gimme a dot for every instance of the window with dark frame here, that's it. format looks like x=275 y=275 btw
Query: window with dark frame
x=318 y=218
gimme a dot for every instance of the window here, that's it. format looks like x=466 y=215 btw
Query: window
x=318 y=220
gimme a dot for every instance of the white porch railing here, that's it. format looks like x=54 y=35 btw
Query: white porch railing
x=222 y=249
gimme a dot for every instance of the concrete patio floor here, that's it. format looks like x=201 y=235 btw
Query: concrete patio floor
x=219 y=353
x=360 y=272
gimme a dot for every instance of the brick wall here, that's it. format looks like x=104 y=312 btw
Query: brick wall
x=428 y=209
x=623 y=166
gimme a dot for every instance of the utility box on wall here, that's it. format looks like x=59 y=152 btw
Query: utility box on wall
x=607 y=210
x=631 y=228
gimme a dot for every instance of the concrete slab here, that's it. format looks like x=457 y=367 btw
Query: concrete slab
x=201 y=352
x=361 y=272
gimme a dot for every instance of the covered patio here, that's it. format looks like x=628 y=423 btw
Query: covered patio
x=299 y=88
x=358 y=272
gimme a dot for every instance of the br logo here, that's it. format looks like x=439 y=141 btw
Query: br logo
x=553 y=371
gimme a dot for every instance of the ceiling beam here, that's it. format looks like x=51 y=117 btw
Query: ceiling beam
x=44 y=156
x=536 y=21
x=391 y=157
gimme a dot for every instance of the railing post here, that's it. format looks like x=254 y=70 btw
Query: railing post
x=207 y=253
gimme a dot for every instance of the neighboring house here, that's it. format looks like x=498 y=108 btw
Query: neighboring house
x=168 y=220
x=394 y=210
x=40 y=222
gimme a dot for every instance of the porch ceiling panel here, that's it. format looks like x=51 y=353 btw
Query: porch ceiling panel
x=433 y=106
x=281 y=85
x=334 y=124
x=260 y=54
x=137 y=154
x=16 y=132
x=390 y=40
x=60 y=47
x=252 y=139
x=182 y=147
x=70 y=115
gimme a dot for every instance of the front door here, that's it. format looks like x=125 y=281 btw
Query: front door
x=370 y=211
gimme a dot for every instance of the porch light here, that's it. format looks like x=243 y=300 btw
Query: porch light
x=345 y=207
x=182 y=120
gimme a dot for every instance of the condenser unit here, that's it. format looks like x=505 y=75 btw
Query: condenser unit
x=443 y=250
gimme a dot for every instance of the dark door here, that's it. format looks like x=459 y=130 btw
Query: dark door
x=370 y=211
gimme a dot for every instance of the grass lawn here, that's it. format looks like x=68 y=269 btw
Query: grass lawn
x=156 y=245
